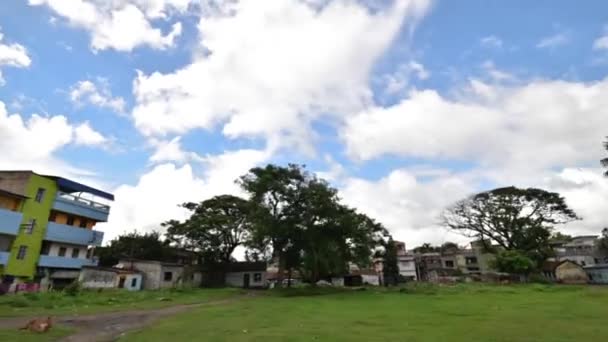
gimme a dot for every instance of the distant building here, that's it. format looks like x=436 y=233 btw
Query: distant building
x=406 y=263
x=247 y=274
x=160 y=275
x=46 y=228
x=598 y=273
x=93 y=277
x=582 y=250
x=569 y=272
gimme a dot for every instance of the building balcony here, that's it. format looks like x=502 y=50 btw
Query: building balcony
x=10 y=221
x=4 y=258
x=75 y=205
x=69 y=234
x=63 y=262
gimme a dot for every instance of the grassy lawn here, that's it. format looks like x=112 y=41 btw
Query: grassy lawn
x=421 y=313
x=58 y=303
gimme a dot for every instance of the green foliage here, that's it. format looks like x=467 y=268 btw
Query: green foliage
x=513 y=262
x=73 y=289
x=146 y=246
x=214 y=229
x=603 y=241
x=390 y=266
x=512 y=219
x=426 y=248
x=19 y=301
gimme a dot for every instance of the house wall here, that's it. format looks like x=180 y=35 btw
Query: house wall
x=571 y=273
x=62 y=218
x=176 y=276
x=337 y=281
x=407 y=268
x=5 y=243
x=236 y=279
x=98 y=279
x=10 y=203
x=55 y=247
x=598 y=275
x=151 y=273
x=370 y=279
x=133 y=281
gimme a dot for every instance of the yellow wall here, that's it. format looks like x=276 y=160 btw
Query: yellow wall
x=9 y=203
x=62 y=218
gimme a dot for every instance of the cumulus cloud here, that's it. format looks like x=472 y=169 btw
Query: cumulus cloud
x=120 y=25
x=270 y=68
x=400 y=79
x=12 y=55
x=96 y=94
x=491 y=41
x=601 y=43
x=154 y=199
x=33 y=143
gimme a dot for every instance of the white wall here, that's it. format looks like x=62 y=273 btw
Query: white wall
x=97 y=279
x=369 y=279
x=54 y=250
x=131 y=284
x=236 y=279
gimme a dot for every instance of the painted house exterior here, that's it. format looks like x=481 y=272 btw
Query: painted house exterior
x=47 y=227
x=598 y=273
x=247 y=275
x=160 y=275
x=92 y=277
x=570 y=272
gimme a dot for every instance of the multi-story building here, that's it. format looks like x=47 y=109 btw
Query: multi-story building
x=582 y=250
x=46 y=227
x=406 y=263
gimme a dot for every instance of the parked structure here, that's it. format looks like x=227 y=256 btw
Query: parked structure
x=109 y=278
x=569 y=272
x=160 y=275
x=598 y=273
x=46 y=228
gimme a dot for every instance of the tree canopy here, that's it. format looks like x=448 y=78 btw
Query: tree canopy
x=215 y=228
x=511 y=218
x=136 y=245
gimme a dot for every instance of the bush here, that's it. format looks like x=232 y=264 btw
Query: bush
x=73 y=289
x=19 y=302
x=539 y=279
x=32 y=296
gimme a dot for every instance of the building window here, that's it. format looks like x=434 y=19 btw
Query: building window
x=21 y=253
x=29 y=227
x=40 y=195
x=62 y=251
x=70 y=220
x=134 y=282
x=53 y=216
x=89 y=252
x=583 y=263
x=75 y=253
x=471 y=260
x=449 y=263
x=257 y=277
x=83 y=223
x=168 y=276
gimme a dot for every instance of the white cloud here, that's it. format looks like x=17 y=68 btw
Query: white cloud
x=96 y=94
x=121 y=25
x=556 y=40
x=157 y=194
x=171 y=150
x=601 y=43
x=400 y=79
x=493 y=126
x=87 y=136
x=271 y=68
x=33 y=143
x=494 y=73
x=12 y=55
x=491 y=41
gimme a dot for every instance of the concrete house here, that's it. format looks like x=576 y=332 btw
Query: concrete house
x=569 y=272
x=247 y=275
x=582 y=250
x=92 y=277
x=598 y=273
x=160 y=275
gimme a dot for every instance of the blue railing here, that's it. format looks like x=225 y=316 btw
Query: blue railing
x=4 y=258
x=68 y=234
x=71 y=204
x=10 y=221
x=63 y=262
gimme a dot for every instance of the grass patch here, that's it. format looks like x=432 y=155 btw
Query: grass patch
x=89 y=301
x=460 y=312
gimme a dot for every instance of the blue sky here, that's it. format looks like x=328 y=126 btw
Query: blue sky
x=404 y=105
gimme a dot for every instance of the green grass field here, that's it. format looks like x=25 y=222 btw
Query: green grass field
x=423 y=313
x=58 y=303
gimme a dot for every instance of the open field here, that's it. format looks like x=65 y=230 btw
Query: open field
x=461 y=313
x=58 y=303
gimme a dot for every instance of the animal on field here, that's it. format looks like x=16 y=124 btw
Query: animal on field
x=39 y=325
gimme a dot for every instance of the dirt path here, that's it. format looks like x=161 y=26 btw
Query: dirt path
x=111 y=325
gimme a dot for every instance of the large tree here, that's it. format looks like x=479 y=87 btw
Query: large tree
x=605 y=160
x=511 y=218
x=390 y=267
x=215 y=228
x=136 y=245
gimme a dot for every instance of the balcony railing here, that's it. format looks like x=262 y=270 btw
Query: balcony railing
x=71 y=204
x=4 y=257
x=68 y=234
x=63 y=262
x=10 y=221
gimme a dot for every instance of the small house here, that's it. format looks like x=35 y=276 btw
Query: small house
x=160 y=275
x=247 y=275
x=569 y=272
x=598 y=274
x=93 y=277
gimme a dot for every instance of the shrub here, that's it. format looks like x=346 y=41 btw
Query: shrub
x=73 y=289
x=32 y=296
x=19 y=302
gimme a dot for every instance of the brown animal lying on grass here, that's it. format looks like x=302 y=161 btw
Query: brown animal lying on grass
x=39 y=325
